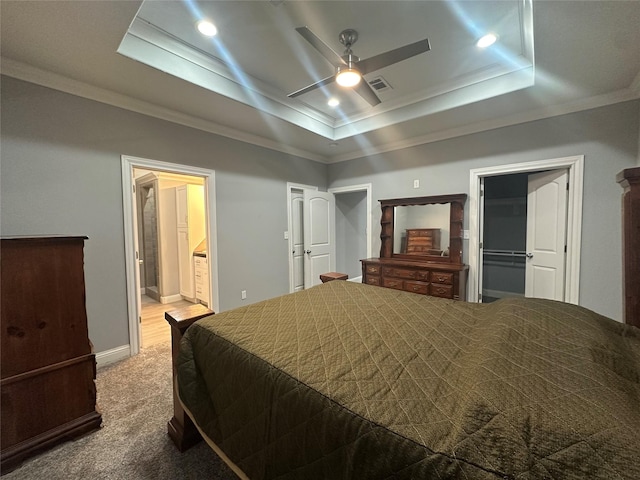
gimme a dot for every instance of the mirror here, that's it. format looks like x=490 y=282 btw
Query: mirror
x=423 y=228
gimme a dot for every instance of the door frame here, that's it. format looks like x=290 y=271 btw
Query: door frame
x=575 y=166
x=363 y=187
x=128 y=163
x=288 y=234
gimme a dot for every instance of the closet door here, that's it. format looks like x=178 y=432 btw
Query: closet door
x=546 y=235
x=319 y=220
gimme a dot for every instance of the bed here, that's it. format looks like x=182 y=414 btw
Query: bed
x=351 y=381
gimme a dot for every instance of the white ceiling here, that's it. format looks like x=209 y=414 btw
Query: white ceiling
x=586 y=54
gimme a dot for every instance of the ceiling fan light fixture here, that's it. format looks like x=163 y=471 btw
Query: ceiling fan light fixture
x=348 y=77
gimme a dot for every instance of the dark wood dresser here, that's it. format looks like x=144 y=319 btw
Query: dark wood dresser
x=48 y=366
x=629 y=180
x=444 y=280
x=422 y=241
x=416 y=261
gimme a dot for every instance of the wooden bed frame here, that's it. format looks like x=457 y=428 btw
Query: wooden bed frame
x=629 y=180
x=185 y=434
x=181 y=429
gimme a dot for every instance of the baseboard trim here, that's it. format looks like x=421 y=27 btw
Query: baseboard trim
x=111 y=356
x=171 y=298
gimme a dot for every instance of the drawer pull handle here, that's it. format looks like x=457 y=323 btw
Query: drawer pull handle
x=416 y=288
x=393 y=284
x=441 y=279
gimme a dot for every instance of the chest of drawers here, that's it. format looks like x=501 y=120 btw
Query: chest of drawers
x=436 y=279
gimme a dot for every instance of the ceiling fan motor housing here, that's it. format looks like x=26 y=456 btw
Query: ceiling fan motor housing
x=348 y=37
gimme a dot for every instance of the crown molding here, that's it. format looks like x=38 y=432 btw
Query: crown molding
x=48 y=79
x=28 y=73
x=627 y=94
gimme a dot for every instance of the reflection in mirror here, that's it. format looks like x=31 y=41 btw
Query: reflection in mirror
x=421 y=230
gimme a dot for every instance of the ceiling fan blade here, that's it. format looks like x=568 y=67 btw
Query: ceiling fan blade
x=377 y=62
x=322 y=47
x=365 y=91
x=313 y=86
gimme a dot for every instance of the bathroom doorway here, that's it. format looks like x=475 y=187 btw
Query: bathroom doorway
x=169 y=230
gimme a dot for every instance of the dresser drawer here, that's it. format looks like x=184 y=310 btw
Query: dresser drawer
x=393 y=283
x=442 y=277
x=417 y=287
x=374 y=269
x=405 y=273
x=444 y=291
x=372 y=280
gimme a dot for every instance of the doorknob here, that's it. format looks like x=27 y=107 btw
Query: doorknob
x=307 y=251
x=140 y=261
x=529 y=255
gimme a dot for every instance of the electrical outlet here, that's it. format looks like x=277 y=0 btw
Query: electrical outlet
x=416 y=183
x=243 y=295
x=465 y=234
x=286 y=235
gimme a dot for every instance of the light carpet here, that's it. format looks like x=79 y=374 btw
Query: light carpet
x=135 y=399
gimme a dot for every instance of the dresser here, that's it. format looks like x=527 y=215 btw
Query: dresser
x=422 y=241
x=444 y=280
x=412 y=255
x=629 y=180
x=48 y=367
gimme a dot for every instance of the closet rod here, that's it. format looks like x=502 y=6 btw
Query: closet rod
x=505 y=253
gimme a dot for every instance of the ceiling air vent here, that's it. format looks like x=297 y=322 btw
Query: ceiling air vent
x=379 y=84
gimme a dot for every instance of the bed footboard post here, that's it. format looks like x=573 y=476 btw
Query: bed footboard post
x=180 y=428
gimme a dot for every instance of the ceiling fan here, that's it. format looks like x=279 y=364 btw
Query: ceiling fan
x=349 y=67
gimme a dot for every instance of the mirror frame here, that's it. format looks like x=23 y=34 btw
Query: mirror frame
x=456 y=218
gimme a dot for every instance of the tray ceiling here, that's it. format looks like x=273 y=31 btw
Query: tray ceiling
x=258 y=58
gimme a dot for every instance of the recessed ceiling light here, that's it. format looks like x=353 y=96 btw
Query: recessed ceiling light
x=486 y=41
x=207 y=28
x=333 y=102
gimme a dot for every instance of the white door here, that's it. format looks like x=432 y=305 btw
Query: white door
x=546 y=235
x=319 y=235
x=297 y=240
x=184 y=264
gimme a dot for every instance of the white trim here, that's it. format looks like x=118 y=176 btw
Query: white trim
x=128 y=164
x=171 y=298
x=551 y=111
x=293 y=186
x=363 y=187
x=25 y=72
x=575 y=165
x=113 y=355
x=48 y=79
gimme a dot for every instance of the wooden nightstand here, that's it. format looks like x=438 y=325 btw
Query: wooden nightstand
x=327 y=277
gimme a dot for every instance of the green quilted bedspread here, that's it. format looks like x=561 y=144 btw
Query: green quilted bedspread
x=350 y=381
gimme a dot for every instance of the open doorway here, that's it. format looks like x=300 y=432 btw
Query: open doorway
x=170 y=250
x=171 y=245
x=511 y=254
x=349 y=230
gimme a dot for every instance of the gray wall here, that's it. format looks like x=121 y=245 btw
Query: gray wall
x=607 y=137
x=61 y=174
